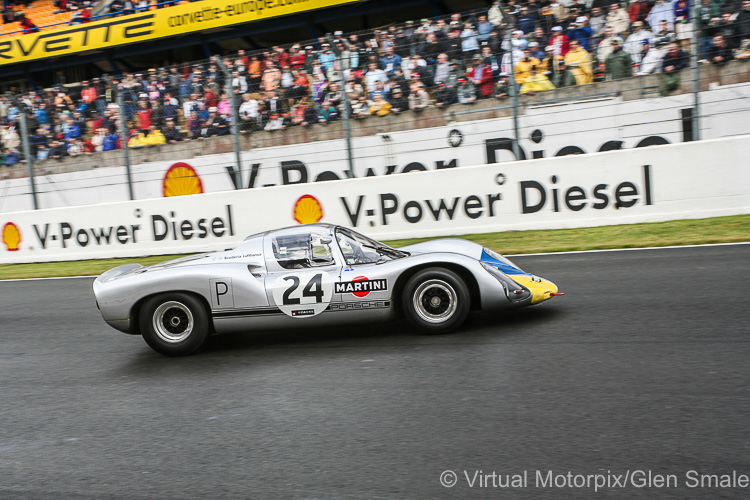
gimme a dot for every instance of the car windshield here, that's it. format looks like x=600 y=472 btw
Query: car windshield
x=358 y=249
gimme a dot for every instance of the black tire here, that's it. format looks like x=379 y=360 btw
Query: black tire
x=174 y=324
x=435 y=300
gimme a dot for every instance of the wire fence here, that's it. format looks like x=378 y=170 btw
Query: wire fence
x=349 y=94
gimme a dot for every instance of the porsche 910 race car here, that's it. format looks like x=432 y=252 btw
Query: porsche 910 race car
x=311 y=275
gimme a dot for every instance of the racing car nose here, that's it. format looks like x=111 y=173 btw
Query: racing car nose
x=544 y=290
x=540 y=288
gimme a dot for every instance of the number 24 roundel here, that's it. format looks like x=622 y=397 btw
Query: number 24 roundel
x=302 y=295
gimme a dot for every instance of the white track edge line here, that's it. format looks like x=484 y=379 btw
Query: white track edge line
x=630 y=249
x=509 y=255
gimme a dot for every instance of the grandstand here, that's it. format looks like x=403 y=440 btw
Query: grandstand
x=383 y=72
x=181 y=46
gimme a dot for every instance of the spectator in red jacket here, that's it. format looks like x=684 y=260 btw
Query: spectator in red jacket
x=559 y=41
x=27 y=25
x=144 y=117
x=481 y=75
x=280 y=56
x=297 y=58
x=638 y=10
x=88 y=93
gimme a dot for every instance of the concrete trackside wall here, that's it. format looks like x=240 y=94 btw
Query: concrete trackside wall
x=463 y=135
x=691 y=180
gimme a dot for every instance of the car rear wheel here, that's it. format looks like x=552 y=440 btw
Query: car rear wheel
x=435 y=300
x=174 y=324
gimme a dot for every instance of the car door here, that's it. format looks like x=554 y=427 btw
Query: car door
x=367 y=277
x=302 y=270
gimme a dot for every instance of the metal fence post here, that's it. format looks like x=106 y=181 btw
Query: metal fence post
x=235 y=131
x=22 y=110
x=346 y=112
x=123 y=129
x=512 y=88
x=694 y=56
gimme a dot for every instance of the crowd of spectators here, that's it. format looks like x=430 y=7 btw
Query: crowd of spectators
x=408 y=67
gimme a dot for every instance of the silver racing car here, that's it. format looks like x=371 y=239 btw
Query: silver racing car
x=311 y=275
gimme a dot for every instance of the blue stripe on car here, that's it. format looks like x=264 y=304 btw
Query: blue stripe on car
x=504 y=267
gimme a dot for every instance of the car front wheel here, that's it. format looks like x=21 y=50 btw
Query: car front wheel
x=435 y=300
x=174 y=324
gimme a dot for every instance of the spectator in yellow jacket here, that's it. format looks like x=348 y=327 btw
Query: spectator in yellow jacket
x=523 y=67
x=154 y=137
x=536 y=82
x=578 y=61
x=137 y=140
x=380 y=106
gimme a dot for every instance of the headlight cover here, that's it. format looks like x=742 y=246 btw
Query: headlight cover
x=514 y=291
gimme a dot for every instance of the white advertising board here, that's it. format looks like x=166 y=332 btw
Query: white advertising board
x=549 y=130
x=693 y=180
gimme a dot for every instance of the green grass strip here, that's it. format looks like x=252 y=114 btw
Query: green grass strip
x=732 y=229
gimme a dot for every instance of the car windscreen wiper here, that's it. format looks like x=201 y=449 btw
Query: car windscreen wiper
x=384 y=250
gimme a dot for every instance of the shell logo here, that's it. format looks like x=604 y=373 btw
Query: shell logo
x=308 y=210
x=11 y=236
x=181 y=179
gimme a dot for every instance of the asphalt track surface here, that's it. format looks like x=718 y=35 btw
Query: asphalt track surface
x=642 y=366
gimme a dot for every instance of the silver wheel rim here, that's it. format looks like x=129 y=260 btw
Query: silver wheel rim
x=173 y=322
x=435 y=301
